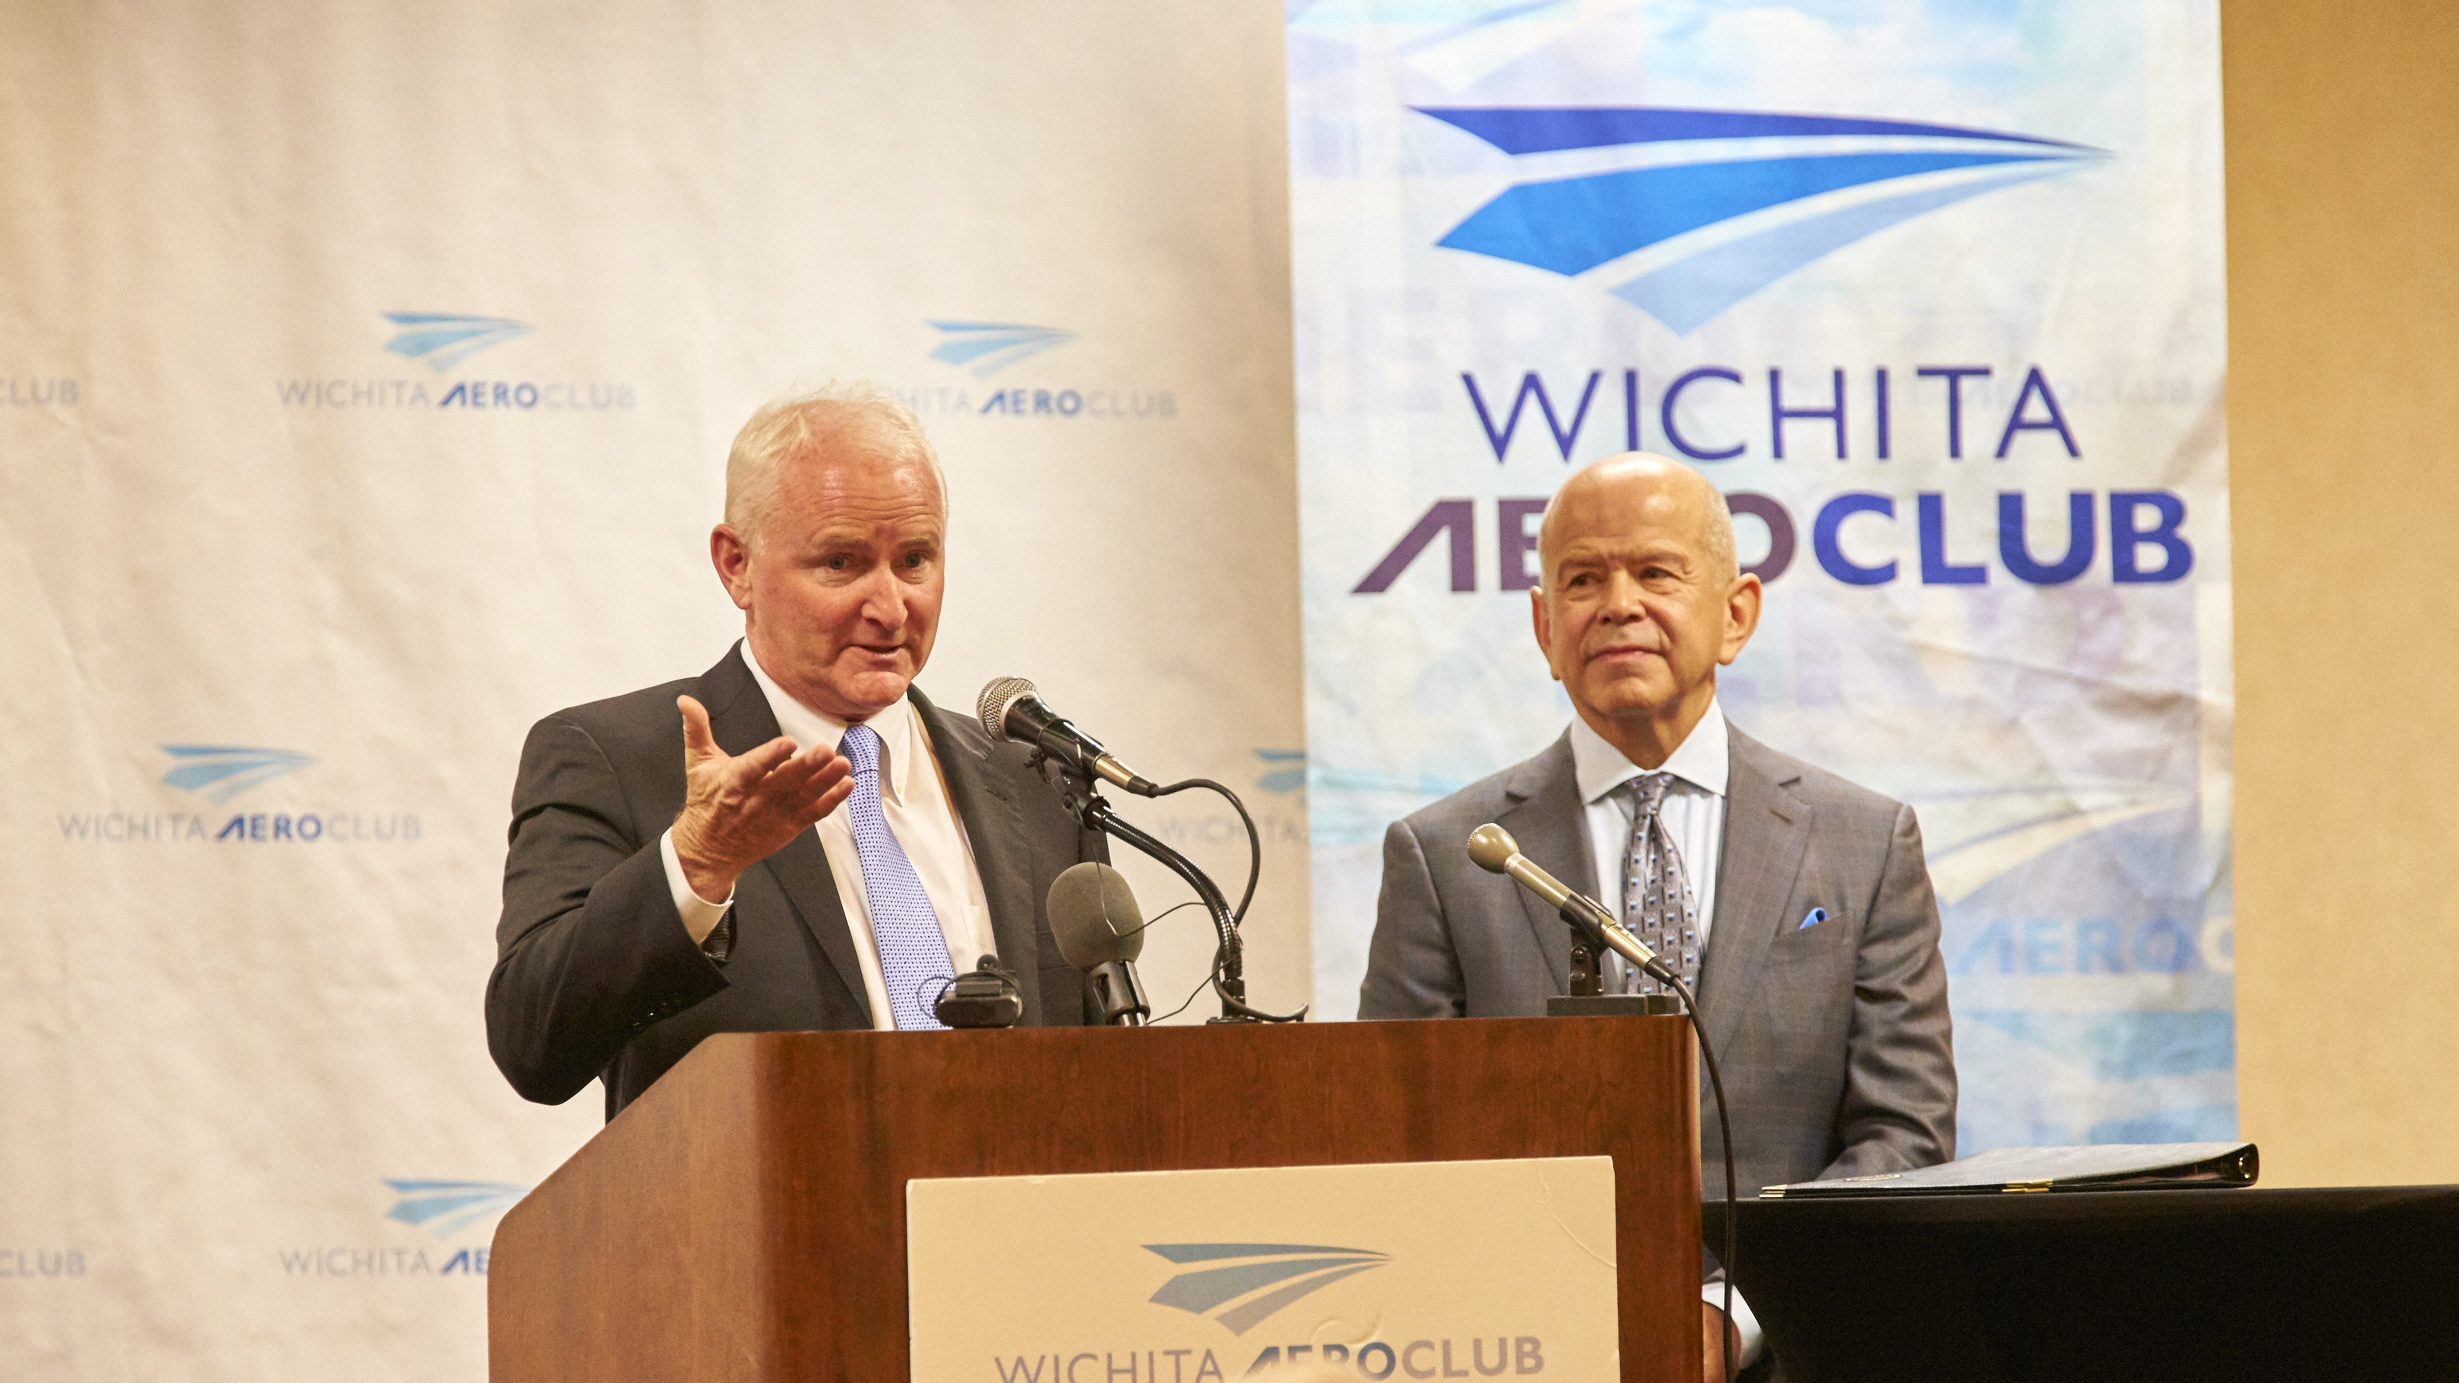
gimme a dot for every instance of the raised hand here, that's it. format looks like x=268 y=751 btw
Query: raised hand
x=740 y=809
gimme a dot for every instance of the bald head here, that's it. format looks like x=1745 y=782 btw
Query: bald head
x=1667 y=490
x=1640 y=601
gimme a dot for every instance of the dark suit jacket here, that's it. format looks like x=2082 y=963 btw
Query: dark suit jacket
x=595 y=975
x=1833 y=1039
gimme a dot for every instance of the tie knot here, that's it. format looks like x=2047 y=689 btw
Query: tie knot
x=1647 y=792
x=861 y=747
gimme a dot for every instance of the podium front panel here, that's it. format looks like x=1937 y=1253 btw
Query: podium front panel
x=745 y=1218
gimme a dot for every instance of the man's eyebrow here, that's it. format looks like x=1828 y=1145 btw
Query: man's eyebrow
x=838 y=541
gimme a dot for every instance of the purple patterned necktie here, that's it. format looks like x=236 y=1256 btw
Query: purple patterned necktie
x=913 y=953
x=1656 y=894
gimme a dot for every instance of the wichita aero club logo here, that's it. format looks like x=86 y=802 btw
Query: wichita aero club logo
x=223 y=771
x=220 y=773
x=986 y=348
x=1694 y=210
x=445 y=339
x=983 y=349
x=1255 y=1280
x=445 y=1208
x=442 y=341
x=442 y=1208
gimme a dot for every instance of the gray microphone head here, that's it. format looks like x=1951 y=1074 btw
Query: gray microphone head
x=1492 y=847
x=1094 y=917
x=997 y=695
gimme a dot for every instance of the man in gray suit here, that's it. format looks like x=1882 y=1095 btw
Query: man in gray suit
x=1798 y=902
x=796 y=839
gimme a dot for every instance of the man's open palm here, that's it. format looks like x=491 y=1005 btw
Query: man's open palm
x=740 y=809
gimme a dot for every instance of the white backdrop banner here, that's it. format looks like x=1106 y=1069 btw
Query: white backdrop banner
x=1934 y=293
x=366 y=377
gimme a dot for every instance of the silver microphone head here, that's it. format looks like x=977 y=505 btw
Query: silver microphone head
x=1492 y=847
x=1093 y=916
x=997 y=695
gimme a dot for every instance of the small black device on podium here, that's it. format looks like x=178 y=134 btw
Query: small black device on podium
x=986 y=996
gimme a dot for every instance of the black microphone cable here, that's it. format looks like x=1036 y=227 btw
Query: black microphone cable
x=1492 y=849
x=1724 y=1134
x=1255 y=841
x=1664 y=974
x=1255 y=870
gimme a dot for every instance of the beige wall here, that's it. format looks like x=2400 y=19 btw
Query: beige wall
x=2343 y=225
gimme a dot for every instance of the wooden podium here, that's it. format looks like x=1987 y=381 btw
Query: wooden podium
x=744 y=1219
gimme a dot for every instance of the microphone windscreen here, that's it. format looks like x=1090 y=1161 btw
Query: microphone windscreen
x=1492 y=847
x=997 y=695
x=1093 y=916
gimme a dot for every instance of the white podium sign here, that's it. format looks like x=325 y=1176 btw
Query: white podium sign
x=1404 y=1270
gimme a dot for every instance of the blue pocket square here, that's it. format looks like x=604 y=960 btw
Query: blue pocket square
x=1817 y=915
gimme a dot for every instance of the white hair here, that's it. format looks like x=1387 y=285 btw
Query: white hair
x=1724 y=554
x=856 y=415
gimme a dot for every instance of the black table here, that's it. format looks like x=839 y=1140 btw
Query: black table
x=2204 y=1284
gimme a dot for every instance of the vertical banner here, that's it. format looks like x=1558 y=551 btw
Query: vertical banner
x=1934 y=294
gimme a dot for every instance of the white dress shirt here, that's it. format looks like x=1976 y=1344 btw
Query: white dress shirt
x=1694 y=815
x=1693 y=810
x=914 y=799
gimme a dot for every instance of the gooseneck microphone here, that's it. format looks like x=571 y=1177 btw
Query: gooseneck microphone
x=1011 y=709
x=1100 y=931
x=1496 y=852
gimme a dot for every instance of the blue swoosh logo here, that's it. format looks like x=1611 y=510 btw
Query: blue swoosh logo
x=1571 y=225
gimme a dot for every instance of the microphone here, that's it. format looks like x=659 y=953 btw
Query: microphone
x=1011 y=709
x=1497 y=853
x=1094 y=918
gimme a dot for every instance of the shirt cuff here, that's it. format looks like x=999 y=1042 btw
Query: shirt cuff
x=1745 y=1325
x=700 y=916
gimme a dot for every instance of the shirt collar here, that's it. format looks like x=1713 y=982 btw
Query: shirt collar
x=894 y=724
x=1702 y=760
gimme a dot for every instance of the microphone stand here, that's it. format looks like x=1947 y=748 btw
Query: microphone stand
x=1085 y=803
x=1584 y=981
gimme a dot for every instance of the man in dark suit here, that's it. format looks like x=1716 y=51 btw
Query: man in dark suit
x=1798 y=903
x=796 y=839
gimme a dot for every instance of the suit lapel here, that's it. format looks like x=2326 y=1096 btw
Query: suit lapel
x=1551 y=825
x=985 y=801
x=740 y=718
x=1767 y=830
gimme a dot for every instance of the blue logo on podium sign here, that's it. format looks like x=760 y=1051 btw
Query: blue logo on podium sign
x=1255 y=1280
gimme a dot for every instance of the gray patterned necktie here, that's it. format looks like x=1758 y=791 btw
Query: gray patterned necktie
x=913 y=953
x=1656 y=894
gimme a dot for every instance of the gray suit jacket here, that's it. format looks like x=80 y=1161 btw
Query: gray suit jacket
x=1833 y=1039
x=595 y=976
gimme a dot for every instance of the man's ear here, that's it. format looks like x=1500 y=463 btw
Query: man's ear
x=732 y=558
x=1542 y=625
x=1741 y=616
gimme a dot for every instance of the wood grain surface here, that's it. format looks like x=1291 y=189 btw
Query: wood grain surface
x=744 y=1219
